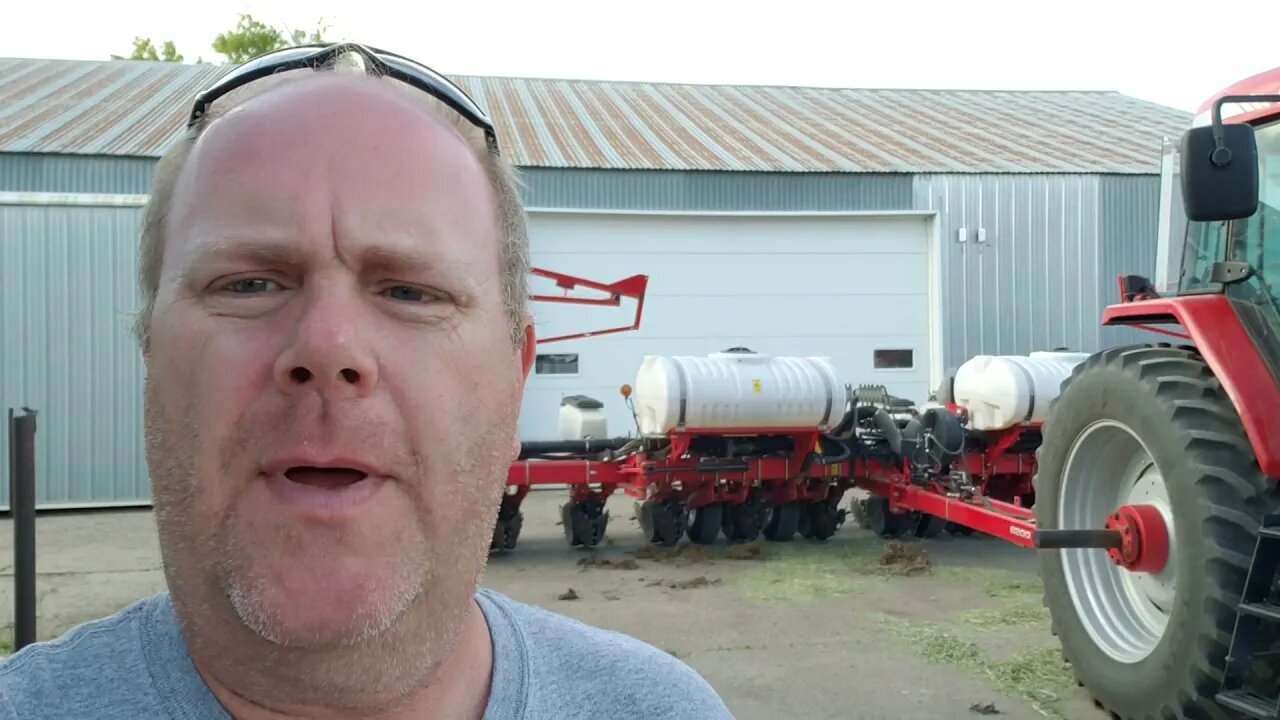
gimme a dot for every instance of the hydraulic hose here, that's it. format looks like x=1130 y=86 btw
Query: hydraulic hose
x=892 y=433
x=588 y=446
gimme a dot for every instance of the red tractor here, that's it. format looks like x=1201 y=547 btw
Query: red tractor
x=1156 y=491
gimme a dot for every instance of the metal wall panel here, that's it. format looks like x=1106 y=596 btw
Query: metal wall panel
x=33 y=172
x=1129 y=237
x=1045 y=263
x=1054 y=245
x=66 y=350
x=1012 y=251
x=664 y=190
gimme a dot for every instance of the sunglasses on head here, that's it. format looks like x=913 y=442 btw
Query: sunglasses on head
x=318 y=55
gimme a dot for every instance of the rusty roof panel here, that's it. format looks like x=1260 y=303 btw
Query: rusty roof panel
x=95 y=108
x=137 y=108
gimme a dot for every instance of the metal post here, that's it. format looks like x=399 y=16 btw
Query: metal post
x=22 y=501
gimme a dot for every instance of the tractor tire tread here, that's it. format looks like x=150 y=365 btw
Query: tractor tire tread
x=1195 y=402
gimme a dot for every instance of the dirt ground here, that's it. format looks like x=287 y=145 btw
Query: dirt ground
x=849 y=628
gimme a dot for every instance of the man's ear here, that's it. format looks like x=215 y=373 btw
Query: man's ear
x=528 y=354
x=142 y=335
x=530 y=350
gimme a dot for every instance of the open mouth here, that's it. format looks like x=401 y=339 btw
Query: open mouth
x=328 y=478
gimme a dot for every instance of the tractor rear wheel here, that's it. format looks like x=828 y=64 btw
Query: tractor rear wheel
x=1149 y=425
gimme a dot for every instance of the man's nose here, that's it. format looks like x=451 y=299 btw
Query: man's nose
x=329 y=353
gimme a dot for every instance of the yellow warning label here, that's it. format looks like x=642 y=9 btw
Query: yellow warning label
x=756 y=385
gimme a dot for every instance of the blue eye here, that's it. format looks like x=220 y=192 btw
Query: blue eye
x=406 y=293
x=249 y=285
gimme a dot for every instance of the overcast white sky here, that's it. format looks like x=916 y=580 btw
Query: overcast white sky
x=1143 y=48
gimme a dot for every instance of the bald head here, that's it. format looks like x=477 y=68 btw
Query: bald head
x=341 y=123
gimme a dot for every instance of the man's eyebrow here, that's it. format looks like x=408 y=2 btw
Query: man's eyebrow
x=407 y=260
x=410 y=262
x=253 y=252
x=391 y=258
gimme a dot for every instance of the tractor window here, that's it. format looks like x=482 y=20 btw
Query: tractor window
x=1205 y=245
x=1256 y=240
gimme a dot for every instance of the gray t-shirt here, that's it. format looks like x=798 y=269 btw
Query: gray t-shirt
x=134 y=664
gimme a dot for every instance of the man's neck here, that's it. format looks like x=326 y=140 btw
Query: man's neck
x=457 y=685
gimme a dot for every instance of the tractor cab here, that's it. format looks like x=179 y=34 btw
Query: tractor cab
x=1219 y=229
x=1231 y=197
x=1230 y=188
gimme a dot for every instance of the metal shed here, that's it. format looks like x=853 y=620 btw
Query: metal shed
x=1036 y=201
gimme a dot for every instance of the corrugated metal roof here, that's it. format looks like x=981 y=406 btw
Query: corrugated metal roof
x=136 y=108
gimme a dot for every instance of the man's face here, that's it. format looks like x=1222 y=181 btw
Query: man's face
x=332 y=392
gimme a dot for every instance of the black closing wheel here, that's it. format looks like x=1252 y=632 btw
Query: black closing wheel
x=822 y=519
x=744 y=522
x=881 y=521
x=783 y=522
x=1149 y=425
x=506 y=531
x=584 y=522
x=924 y=525
x=663 y=522
x=705 y=523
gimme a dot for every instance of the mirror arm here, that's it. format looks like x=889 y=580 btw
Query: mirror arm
x=1221 y=156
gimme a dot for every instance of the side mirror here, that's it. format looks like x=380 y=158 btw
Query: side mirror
x=1219 y=172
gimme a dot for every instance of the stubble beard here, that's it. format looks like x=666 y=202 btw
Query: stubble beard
x=385 y=653
x=250 y=592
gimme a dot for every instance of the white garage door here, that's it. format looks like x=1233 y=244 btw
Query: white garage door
x=855 y=288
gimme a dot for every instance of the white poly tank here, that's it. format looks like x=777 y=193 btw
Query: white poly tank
x=582 y=417
x=737 y=389
x=1001 y=391
x=1072 y=357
